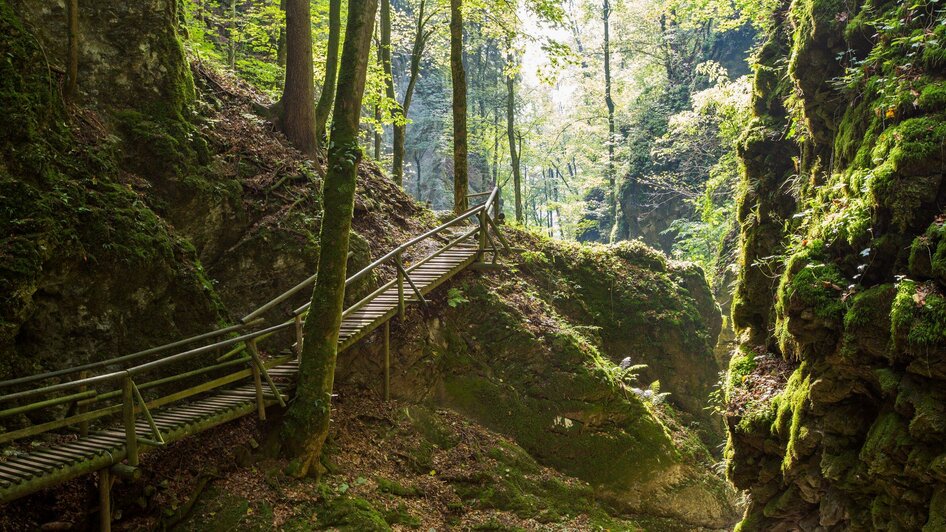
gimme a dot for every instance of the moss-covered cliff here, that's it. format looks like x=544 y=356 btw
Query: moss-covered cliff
x=837 y=415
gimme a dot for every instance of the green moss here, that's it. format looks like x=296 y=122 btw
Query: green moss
x=909 y=154
x=351 y=513
x=394 y=488
x=791 y=407
x=918 y=318
x=937 y=517
x=401 y=516
x=933 y=97
x=887 y=436
x=515 y=407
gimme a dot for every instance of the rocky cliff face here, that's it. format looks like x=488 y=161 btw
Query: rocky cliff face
x=836 y=414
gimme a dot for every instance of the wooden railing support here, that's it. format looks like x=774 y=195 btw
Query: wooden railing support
x=482 y=235
x=298 y=349
x=405 y=276
x=105 y=500
x=387 y=360
x=400 y=285
x=128 y=418
x=158 y=438
x=254 y=353
x=80 y=408
x=258 y=385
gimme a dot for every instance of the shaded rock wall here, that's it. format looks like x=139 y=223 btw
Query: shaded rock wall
x=841 y=223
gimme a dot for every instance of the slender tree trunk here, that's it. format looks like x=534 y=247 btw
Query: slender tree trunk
x=72 y=62
x=384 y=50
x=511 y=133
x=281 y=40
x=495 y=146
x=421 y=35
x=307 y=420
x=417 y=162
x=612 y=192
x=231 y=34
x=377 y=133
x=458 y=77
x=327 y=98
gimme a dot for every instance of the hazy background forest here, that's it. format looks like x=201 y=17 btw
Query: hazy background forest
x=623 y=115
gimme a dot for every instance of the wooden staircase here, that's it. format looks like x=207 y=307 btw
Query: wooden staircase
x=148 y=422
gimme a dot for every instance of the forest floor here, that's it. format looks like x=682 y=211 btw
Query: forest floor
x=391 y=465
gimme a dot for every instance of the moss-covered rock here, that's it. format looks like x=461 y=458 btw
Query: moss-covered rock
x=855 y=246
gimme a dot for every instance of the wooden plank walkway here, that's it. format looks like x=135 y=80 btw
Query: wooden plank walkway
x=60 y=462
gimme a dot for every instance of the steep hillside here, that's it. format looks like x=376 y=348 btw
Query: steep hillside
x=124 y=227
x=165 y=206
x=836 y=403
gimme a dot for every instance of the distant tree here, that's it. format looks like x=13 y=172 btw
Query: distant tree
x=422 y=34
x=511 y=133
x=458 y=76
x=296 y=109
x=609 y=102
x=307 y=420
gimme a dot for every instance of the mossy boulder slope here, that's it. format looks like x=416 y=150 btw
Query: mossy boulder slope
x=841 y=272
x=520 y=352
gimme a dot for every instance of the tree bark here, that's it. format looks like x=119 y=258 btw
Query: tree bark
x=458 y=77
x=327 y=98
x=511 y=133
x=296 y=111
x=72 y=62
x=612 y=192
x=421 y=36
x=307 y=420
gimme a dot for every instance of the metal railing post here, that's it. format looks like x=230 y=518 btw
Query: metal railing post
x=128 y=418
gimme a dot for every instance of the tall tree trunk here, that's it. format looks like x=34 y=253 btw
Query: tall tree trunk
x=307 y=420
x=327 y=98
x=297 y=114
x=72 y=61
x=458 y=77
x=612 y=192
x=421 y=35
x=511 y=133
